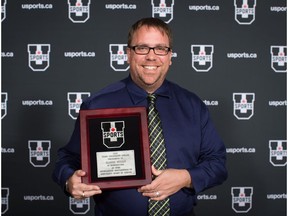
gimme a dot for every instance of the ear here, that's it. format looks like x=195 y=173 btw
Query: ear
x=128 y=51
x=170 y=58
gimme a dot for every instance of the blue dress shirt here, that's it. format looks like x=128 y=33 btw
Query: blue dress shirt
x=191 y=140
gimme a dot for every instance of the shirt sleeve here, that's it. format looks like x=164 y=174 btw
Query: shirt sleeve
x=68 y=160
x=211 y=168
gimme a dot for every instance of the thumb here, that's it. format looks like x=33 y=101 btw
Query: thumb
x=156 y=172
x=80 y=173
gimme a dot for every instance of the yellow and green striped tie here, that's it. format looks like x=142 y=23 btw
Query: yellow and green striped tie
x=158 y=154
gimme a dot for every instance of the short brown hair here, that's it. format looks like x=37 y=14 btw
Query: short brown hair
x=151 y=22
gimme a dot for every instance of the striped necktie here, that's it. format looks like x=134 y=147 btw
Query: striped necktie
x=158 y=154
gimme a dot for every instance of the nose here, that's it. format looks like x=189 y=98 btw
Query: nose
x=151 y=55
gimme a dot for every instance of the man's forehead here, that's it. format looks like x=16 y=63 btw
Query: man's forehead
x=146 y=32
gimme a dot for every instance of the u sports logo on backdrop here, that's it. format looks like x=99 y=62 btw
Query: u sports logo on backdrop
x=245 y=11
x=79 y=206
x=118 y=57
x=39 y=152
x=278 y=152
x=3 y=9
x=39 y=56
x=241 y=199
x=243 y=105
x=4 y=200
x=163 y=9
x=4 y=99
x=202 y=57
x=279 y=58
x=79 y=10
x=113 y=133
x=75 y=100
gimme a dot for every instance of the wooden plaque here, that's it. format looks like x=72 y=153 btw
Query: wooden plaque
x=115 y=150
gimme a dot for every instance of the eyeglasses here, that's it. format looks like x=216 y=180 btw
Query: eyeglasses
x=144 y=50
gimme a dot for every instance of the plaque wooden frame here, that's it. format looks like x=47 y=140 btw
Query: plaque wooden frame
x=135 y=118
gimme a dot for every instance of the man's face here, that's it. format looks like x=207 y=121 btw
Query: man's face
x=149 y=71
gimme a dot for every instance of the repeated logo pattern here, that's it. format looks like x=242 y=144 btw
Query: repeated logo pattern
x=46 y=76
x=278 y=152
x=245 y=11
x=39 y=152
x=242 y=199
x=279 y=58
x=79 y=206
x=118 y=57
x=243 y=105
x=79 y=12
x=163 y=9
x=4 y=99
x=75 y=100
x=202 y=57
x=39 y=56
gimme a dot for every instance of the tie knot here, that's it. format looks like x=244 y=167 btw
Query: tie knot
x=151 y=98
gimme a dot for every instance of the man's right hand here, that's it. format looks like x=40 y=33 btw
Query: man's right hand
x=79 y=190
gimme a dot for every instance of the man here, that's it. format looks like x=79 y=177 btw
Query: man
x=195 y=154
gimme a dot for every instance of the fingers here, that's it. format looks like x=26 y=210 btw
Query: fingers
x=152 y=187
x=83 y=194
x=153 y=191
x=165 y=184
x=80 y=190
x=87 y=194
x=155 y=195
x=158 y=196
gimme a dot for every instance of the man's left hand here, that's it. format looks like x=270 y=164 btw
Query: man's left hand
x=166 y=183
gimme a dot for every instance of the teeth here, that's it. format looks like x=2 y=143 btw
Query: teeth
x=150 y=67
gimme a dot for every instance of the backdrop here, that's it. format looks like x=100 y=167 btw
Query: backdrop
x=233 y=54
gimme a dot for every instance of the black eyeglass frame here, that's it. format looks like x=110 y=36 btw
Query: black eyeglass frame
x=168 y=49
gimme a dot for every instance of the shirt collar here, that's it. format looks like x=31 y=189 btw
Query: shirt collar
x=138 y=94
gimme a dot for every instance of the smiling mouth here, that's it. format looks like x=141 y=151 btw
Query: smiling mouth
x=150 y=67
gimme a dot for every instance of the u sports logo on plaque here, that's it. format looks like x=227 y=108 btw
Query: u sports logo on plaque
x=243 y=105
x=79 y=10
x=39 y=152
x=39 y=56
x=242 y=199
x=4 y=200
x=278 y=152
x=279 y=58
x=3 y=9
x=113 y=133
x=245 y=11
x=79 y=206
x=163 y=9
x=118 y=57
x=202 y=57
x=75 y=100
x=4 y=98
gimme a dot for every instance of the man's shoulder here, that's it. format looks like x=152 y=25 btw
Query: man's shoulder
x=112 y=88
x=182 y=91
